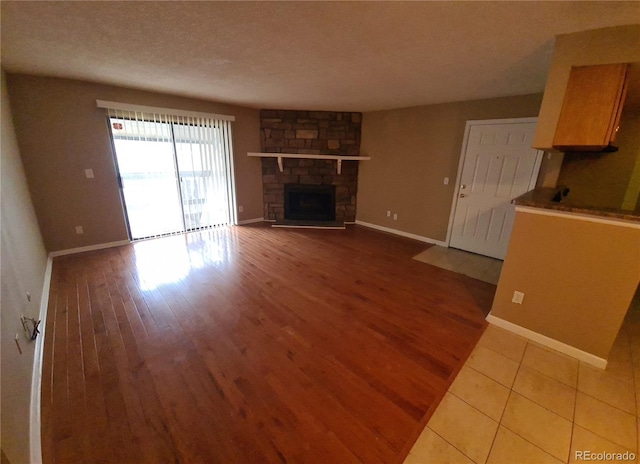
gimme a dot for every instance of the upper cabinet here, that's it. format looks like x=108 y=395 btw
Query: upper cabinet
x=591 y=108
x=586 y=48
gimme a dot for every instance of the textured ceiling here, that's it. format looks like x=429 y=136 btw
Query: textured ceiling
x=358 y=56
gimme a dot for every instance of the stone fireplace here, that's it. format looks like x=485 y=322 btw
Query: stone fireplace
x=310 y=133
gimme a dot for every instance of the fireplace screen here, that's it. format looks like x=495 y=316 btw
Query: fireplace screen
x=310 y=202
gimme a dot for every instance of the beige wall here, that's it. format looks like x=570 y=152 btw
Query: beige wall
x=603 y=179
x=412 y=150
x=578 y=278
x=61 y=132
x=24 y=262
x=599 y=46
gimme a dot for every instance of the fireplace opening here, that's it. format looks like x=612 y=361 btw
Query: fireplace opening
x=310 y=202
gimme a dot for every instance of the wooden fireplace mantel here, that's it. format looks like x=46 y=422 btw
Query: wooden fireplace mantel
x=339 y=158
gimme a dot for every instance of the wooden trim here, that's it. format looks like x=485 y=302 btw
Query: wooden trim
x=168 y=111
x=554 y=344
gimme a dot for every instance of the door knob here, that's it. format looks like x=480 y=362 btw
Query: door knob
x=463 y=186
x=462 y=195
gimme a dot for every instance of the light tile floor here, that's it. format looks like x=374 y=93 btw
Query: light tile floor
x=470 y=264
x=515 y=401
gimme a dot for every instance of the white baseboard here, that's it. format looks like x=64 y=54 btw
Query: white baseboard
x=250 y=221
x=35 y=425
x=401 y=233
x=99 y=246
x=569 y=350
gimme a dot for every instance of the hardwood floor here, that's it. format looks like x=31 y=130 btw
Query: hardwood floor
x=252 y=345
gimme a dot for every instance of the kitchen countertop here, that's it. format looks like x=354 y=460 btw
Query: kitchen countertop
x=541 y=198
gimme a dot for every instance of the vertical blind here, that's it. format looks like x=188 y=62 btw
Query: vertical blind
x=175 y=168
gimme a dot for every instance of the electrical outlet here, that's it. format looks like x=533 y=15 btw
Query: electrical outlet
x=241 y=209
x=79 y=230
x=446 y=181
x=388 y=213
x=88 y=173
x=517 y=297
x=395 y=216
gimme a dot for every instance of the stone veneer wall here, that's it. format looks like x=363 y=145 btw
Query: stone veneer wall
x=310 y=132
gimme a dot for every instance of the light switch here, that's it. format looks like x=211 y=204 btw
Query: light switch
x=88 y=173
x=446 y=181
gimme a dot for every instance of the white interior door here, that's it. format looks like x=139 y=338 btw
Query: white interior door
x=498 y=165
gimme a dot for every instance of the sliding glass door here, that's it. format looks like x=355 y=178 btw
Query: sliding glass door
x=175 y=173
x=147 y=169
x=203 y=180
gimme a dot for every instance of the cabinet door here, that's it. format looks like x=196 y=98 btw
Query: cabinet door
x=590 y=108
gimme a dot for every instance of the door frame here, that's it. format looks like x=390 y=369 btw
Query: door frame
x=463 y=151
x=229 y=170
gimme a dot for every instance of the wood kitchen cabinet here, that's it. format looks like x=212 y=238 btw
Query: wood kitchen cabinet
x=591 y=108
